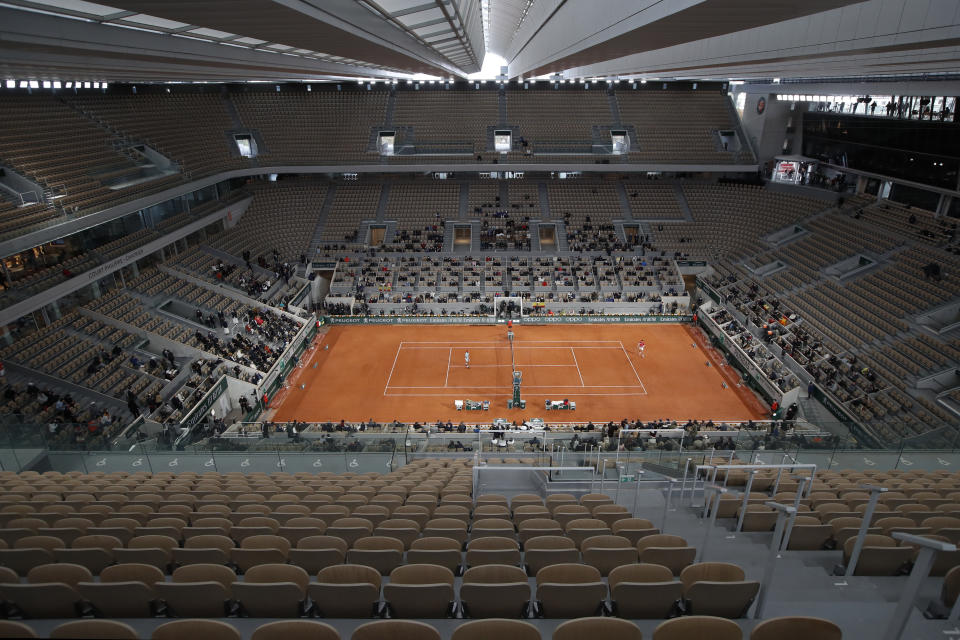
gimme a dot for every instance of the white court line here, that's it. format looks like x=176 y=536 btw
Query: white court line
x=542 y=386
x=632 y=367
x=447 y=342
x=505 y=347
x=449 y=357
x=390 y=377
x=574 y=354
x=507 y=395
x=525 y=366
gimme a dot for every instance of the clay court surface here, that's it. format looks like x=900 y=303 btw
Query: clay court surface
x=413 y=373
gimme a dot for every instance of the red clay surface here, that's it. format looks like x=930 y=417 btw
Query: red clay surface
x=411 y=373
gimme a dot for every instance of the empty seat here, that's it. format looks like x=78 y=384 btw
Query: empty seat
x=295 y=630
x=314 y=553
x=198 y=591
x=272 y=591
x=570 y=591
x=380 y=552
x=124 y=591
x=13 y=629
x=435 y=550
x=94 y=552
x=607 y=551
x=495 y=527
x=696 y=627
x=498 y=628
x=879 y=556
x=808 y=534
x=156 y=550
x=350 y=529
x=420 y=591
x=644 y=591
x=492 y=550
x=597 y=627
x=495 y=591
x=301 y=527
x=667 y=550
x=633 y=529
x=42 y=599
x=395 y=630
x=260 y=549
x=195 y=630
x=796 y=628
x=346 y=591
x=544 y=551
x=93 y=630
x=534 y=527
x=204 y=549
x=402 y=529
x=717 y=589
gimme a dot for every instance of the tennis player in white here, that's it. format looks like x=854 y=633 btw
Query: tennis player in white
x=466 y=358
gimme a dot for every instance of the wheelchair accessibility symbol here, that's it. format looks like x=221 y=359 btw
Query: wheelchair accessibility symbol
x=317 y=463
x=137 y=463
x=354 y=464
x=102 y=462
x=209 y=463
x=245 y=462
x=174 y=463
x=282 y=462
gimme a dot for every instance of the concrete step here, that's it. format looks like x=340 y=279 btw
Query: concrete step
x=315 y=243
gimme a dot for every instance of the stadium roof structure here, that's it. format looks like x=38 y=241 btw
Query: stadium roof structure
x=241 y=40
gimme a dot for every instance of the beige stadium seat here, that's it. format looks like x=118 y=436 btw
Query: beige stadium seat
x=454 y=528
x=457 y=511
x=535 y=527
x=544 y=551
x=420 y=591
x=880 y=556
x=495 y=591
x=124 y=591
x=272 y=591
x=156 y=550
x=314 y=553
x=301 y=527
x=633 y=529
x=610 y=513
x=525 y=499
x=564 y=513
x=580 y=529
x=697 y=627
x=42 y=599
x=606 y=628
x=93 y=630
x=796 y=628
x=295 y=630
x=557 y=499
x=492 y=550
x=417 y=513
x=435 y=550
x=13 y=629
x=346 y=591
x=203 y=549
x=605 y=552
x=374 y=513
x=198 y=591
x=570 y=591
x=644 y=591
x=380 y=552
x=260 y=549
x=717 y=589
x=808 y=534
x=759 y=517
x=196 y=630
x=93 y=552
x=491 y=511
x=943 y=561
x=350 y=529
x=496 y=628
x=492 y=527
x=29 y=552
x=400 y=528
x=667 y=550
x=395 y=630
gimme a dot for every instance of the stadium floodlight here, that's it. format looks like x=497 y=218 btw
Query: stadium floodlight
x=56 y=84
x=11 y=84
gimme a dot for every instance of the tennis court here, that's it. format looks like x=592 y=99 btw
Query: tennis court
x=413 y=373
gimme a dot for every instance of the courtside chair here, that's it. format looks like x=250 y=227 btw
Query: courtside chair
x=494 y=591
x=597 y=627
